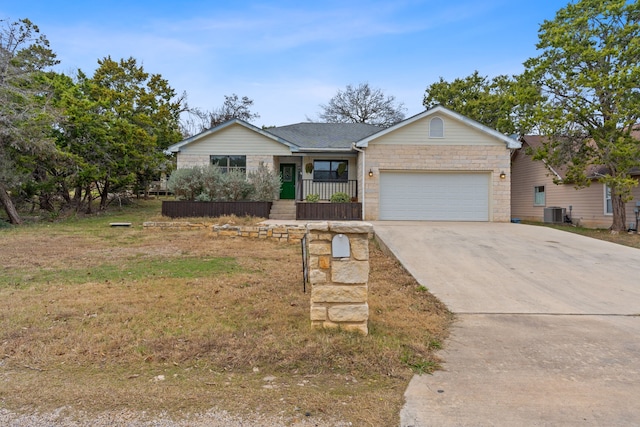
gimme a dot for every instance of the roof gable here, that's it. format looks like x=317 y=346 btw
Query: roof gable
x=440 y=110
x=178 y=146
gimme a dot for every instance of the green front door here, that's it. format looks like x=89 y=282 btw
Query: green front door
x=288 y=174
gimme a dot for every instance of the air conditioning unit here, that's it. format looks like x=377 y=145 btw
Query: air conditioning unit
x=554 y=215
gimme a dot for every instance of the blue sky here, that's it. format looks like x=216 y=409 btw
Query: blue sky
x=291 y=56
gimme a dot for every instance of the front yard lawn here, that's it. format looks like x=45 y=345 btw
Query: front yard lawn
x=97 y=319
x=626 y=239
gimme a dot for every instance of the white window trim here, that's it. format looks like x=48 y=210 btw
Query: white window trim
x=544 y=203
x=431 y=121
x=605 y=198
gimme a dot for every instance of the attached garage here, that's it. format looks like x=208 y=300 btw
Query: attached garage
x=436 y=166
x=435 y=196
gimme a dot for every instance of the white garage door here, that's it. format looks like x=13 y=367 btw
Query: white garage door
x=434 y=196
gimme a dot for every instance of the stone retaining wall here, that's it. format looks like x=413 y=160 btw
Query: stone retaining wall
x=282 y=233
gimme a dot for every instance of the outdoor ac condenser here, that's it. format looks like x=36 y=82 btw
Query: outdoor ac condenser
x=554 y=215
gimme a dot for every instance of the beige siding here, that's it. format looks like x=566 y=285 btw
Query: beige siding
x=463 y=149
x=455 y=133
x=588 y=204
x=234 y=140
x=631 y=216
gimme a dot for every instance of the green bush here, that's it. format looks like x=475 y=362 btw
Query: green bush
x=212 y=184
x=313 y=198
x=265 y=184
x=340 y=198
x=235 y=186
x=203 y=197
x=209 y=183
x=186 y=183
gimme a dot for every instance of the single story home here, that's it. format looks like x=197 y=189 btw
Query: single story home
x=538 y=192
x=437 y=165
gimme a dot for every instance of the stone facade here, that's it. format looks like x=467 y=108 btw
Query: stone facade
x=451 y=158
x=253 y=161
x=174 y=225
x=339 y=285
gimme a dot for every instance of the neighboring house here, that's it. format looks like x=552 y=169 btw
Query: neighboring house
x=534 y=192
x=437 y=165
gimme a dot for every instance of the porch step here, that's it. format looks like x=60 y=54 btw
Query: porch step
x=283 y=209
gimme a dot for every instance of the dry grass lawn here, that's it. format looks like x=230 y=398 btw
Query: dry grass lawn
x=99 y=318
x=626 y=239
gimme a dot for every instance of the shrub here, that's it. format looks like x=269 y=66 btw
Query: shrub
x=266 y=184
x=186 y=183
x=313 y=198
x=340 y=198
x=235 y=186
x=209 y=183
x=212 y=184
x=203 y=197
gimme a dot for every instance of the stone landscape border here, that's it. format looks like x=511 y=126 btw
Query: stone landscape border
x=292 y=233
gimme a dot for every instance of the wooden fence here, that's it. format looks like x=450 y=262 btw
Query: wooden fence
x=185 y=209
x=328 y=211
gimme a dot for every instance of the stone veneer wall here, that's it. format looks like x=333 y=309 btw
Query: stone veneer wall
x=339 y=286
x=253 y=161
x=281 y=233
x=493 y=159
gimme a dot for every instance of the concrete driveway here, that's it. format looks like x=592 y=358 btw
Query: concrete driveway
x=547 y=331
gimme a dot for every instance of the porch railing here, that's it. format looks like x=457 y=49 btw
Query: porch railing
x=326 y=189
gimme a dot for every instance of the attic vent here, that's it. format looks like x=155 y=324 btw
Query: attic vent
x=554 y=215
x=436 y=128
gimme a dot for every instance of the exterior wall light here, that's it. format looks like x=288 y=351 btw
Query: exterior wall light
x=370 y=173
x=503 y=175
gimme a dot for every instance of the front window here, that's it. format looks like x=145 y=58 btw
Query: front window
x=538 y=196
x=608 y=206
x=331 y=170
x=228 y=163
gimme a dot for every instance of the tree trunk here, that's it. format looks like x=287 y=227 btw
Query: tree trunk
x=46 y=202
x=619 y=212
x=9 y=207
x=89 y=198
x=64 y=192
x=104 y=195
x=77 y=197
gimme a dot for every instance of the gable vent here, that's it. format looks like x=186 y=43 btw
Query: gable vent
x=436 y=128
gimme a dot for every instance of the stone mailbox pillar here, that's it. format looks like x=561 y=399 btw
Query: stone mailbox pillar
x=338 y=263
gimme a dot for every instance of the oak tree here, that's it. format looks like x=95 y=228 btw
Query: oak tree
x=362 y=104
x=118 y=122
x=26 y=115
x=589 y=73
x=493 y=102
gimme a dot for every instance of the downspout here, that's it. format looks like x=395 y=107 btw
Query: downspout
x=353 y=145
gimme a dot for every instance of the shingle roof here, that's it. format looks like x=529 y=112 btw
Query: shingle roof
x=592 y=171
x=324 y=135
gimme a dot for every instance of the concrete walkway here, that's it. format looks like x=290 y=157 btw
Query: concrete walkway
x=547 y=331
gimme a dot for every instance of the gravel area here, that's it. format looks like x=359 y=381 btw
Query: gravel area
x=65 y=417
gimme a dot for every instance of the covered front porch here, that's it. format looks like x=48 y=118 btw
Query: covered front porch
x=310 y=180
x=318 y=176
